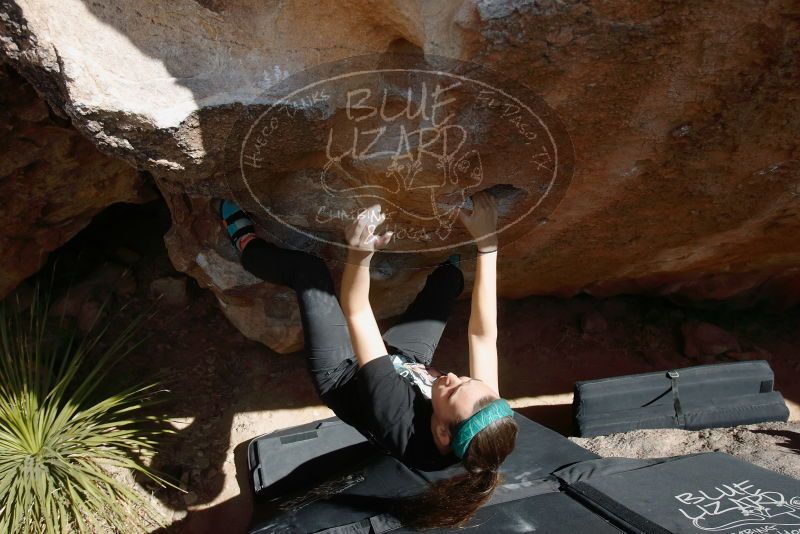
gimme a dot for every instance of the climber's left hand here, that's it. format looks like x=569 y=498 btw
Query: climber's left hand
x=361 y=235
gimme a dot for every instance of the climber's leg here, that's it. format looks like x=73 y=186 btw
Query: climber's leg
x=330 y=356
x=329 y=352
x=419 y=329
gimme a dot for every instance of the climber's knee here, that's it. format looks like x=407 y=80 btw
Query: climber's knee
x=313 y=268
x=448 y=277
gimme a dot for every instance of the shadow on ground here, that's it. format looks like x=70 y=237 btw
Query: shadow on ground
x=792 y=439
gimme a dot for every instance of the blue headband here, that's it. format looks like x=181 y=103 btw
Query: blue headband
x=467 y=429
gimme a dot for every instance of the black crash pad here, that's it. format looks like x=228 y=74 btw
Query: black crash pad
x=693 y=494
x=325 y=478
x=549 y=513
x=725 y=394
x=324 y=474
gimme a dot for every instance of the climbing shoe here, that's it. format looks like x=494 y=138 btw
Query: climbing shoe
x=239 y=226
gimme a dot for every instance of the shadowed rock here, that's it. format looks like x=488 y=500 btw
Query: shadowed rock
x=683 y=119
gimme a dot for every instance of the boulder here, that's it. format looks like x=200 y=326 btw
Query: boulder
x=171 y=291
x=593 y=322
x=87 y=300
x=669 y=131
x=52 y=181
x=705 y=339
x=98 y=287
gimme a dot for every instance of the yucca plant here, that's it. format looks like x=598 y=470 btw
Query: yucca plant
x=60 y=437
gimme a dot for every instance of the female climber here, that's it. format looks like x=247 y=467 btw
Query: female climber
x=384 y=385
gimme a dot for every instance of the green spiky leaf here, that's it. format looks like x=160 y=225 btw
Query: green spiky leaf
x=60 y=441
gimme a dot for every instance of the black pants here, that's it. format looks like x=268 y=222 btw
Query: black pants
x=329 y=352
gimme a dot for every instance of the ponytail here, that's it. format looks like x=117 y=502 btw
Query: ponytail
x=451 y=502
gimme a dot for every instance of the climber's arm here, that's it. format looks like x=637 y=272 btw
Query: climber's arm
x=364 y=332
x=482 y=330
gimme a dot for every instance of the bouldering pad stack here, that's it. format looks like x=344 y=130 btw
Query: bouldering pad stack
x=693 y=398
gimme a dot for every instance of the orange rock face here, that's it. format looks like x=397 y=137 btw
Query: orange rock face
x=682 y=123
x=52 y=181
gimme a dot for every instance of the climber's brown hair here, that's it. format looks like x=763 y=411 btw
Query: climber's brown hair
x=451 y=502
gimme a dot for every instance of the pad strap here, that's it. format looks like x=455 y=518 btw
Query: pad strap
x=676 y=398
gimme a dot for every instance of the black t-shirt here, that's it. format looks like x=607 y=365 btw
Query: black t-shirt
x=398 y=415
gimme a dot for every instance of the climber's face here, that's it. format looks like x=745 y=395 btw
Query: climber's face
x=454 y=397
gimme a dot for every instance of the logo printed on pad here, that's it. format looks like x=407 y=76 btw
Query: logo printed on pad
x=741 y=508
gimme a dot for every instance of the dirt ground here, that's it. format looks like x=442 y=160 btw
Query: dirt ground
x=226 y=390
x=775 y=446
